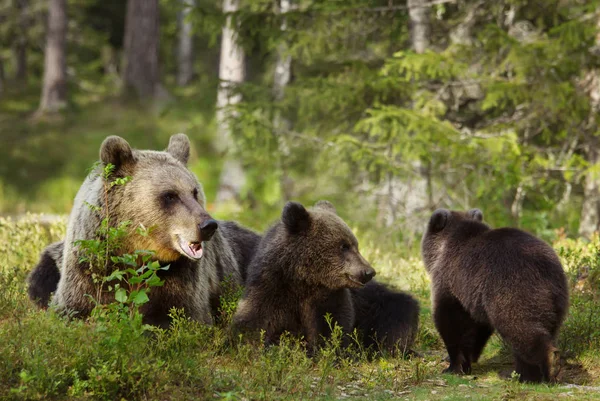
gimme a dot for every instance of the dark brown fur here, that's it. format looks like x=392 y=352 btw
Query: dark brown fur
x=385 y=319
x=43 y=279
x=303 y=269
x=485 y=279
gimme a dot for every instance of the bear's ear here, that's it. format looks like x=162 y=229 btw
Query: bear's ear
x=116 y=151
x=295 y=217
x=326 y=205
x=438 y=220
x=475 y=214
x=179 y=147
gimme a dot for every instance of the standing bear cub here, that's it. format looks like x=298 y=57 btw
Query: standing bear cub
x=163 y=196
x=304 y=268
x=485 y=279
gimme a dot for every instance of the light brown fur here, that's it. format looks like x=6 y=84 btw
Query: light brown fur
x=166 y=198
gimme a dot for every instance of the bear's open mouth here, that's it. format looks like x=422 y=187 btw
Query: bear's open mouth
x=355 y=281
x=191 y=249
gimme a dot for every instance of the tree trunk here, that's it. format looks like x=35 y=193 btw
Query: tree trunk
x=590 y=209
x=185 y=48
x=20 y=53
x=1 y=75
x=20 y=47
x=231 y=73
x=410 y=196
x=283 y=66
x=54 y=92
x=281 y=125
x=418 y=13
x=141 y=72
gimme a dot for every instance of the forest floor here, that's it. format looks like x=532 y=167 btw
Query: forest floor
x=44 y=356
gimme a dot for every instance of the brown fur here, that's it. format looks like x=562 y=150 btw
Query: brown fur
x=303 y=269
x=165 y=197
x=486 y=279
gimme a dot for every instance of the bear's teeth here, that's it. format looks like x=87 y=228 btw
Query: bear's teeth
x=195 y=247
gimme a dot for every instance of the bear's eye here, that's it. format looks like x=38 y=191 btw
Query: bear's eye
x=195 y=193
x=169 y=197
x=345 y=247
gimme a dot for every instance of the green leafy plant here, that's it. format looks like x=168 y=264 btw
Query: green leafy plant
x=134 y=283
x=129 y=276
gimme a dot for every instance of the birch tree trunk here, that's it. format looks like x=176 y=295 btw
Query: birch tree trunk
x=406 y=196
x=418 y=13
x=283 y=66
x=590 y=209
x=54 y=91
x=231 y=73
x=185 y=48
x=281 y=78
x=141 y=72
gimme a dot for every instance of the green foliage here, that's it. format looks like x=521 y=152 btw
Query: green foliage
x=231 y=293
x=113 y=355
x=581 y=330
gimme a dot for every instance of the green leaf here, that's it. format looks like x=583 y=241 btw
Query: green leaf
x=135 y=280
x=116 y=275
x=121 y=295
x=154 y=281
x=139 y=297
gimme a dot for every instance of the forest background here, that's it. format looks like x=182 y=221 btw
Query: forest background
x=387 y=108
x=391 y=108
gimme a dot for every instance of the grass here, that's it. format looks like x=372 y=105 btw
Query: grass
x=44 y=356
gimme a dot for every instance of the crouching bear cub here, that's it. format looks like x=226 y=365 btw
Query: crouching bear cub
x=162 y=195
x=304 y=268
x=484 y=280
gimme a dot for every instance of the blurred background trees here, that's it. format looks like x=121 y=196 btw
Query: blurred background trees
x=387 y=108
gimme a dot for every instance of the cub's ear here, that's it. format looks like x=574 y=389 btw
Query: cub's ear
x=179 y=147
x=438 y=220
x=295 y=217
x=475 y=214
x=325 y=205
x=115 y=150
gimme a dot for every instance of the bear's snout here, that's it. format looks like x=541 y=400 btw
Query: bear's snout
x=208 y=228
x=367 y=275
x=361 y=277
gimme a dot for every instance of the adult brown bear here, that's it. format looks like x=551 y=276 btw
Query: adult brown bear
x=163 y=195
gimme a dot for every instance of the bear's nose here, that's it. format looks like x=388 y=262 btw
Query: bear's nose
x=367 y=275
x=208 y=228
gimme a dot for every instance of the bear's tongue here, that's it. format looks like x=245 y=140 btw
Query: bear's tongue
x=196 y=249
x=192 y=249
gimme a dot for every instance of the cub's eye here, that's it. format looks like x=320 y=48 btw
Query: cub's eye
x=345 y=247
x=195 y=193
x=169 y=197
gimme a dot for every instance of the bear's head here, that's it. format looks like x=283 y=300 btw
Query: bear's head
x=162 y=195
x=322 y=249
x=445 y=223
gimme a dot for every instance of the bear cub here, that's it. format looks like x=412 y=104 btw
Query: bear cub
x=308 y=265
x=485 y=279
x=303 y=269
